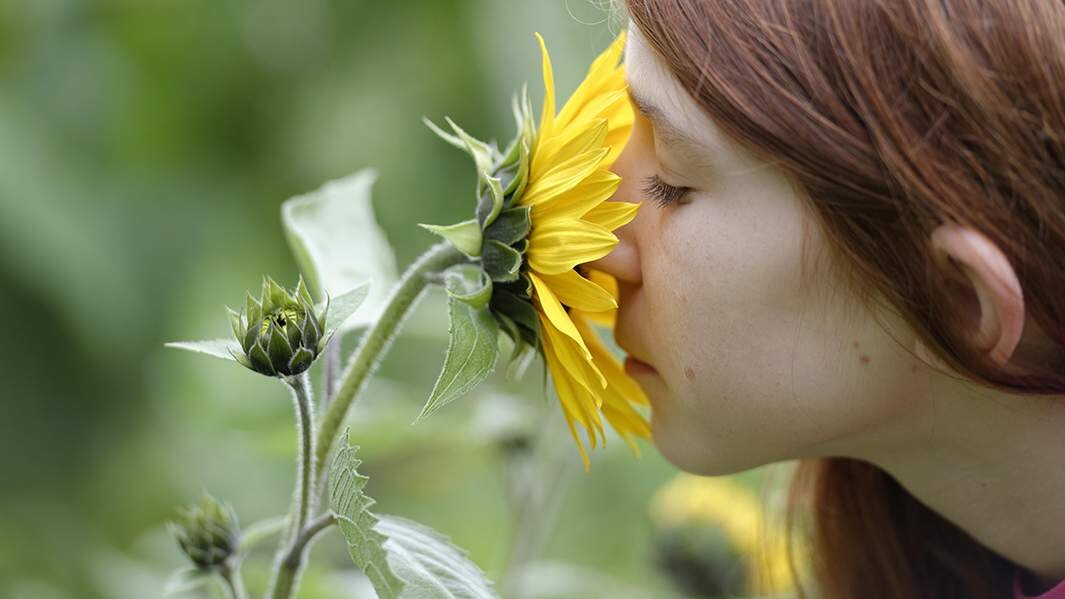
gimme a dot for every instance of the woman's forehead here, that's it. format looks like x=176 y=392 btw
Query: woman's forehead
x=658 y=94
x=657 y=90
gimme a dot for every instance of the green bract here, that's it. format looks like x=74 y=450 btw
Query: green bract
x=281 y=333
x=207 y=533
x=496 y=238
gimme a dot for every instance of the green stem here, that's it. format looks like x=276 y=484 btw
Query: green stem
x=290 y=562
x=286 y=567
x=376 y=340
x=301 y=388
x=234 y=583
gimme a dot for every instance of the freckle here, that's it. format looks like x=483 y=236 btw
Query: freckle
x=689 y=373
x=855 y=345
x=864 y=359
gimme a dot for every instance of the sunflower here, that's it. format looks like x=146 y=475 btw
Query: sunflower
x=687 y=514
x=572 y=224
x=542 y=215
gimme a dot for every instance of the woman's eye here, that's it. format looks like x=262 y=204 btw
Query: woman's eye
x=663 y=193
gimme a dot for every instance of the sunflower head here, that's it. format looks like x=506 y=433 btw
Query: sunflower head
x=541 y=215
x=281 y=333
x=207 y=533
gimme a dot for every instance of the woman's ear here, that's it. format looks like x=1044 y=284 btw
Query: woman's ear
x=988 y=294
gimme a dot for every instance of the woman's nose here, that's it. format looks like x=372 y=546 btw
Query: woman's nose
x=623 y=262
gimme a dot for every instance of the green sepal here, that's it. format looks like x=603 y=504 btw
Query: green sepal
x=253 y=310
x=251 y=337
x=521 y=247
x=522 y=287
x=466 y=236
x=512 y=226
x=479 y=150
x=280 y=350
x=444 y=135
x=301 y=360
x=235 y=322
x=501 y=261
x=517 y=184
x=294 y=335
x=303 y=295
x=490 y=201
x=279 y=298
x=475 y=295
x=519 y=361
x=520 y=310
x=260 y=360
x=323 y=314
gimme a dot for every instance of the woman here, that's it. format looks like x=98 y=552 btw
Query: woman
x=854 y=257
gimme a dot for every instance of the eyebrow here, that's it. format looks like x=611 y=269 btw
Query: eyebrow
x=668 y=132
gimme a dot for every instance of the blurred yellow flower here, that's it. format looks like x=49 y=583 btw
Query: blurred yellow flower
x=688 y=502
x=572 y=224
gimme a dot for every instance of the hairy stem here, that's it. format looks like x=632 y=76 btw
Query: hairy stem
x=290 y=563
x=376 y=340
x=285 y=572
x=301 y=387
x=234 y=582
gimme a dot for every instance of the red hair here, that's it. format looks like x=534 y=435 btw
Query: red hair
x=894 y=117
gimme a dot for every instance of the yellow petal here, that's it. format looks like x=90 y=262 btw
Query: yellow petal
x=578 y=292
x=611 y=106
x=601 y=74
x=611 y=215
x=547 y=117
x=576 y=360
x=569 y=143
x=558 y=246
x=595 y=189
x=563 y=176
x=552 y=309
x=611 y=368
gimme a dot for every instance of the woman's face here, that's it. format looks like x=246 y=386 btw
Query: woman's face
x=755 y=349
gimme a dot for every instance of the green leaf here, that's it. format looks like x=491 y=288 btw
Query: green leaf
x=402 y=559
x=338 y=245
x=431 y=563
x=219 y=348
x=185 y=580
x=512 y=226
x=501 y=261
x=466 y=236
x=468 y=283
x=341 y=307
x=472 y=350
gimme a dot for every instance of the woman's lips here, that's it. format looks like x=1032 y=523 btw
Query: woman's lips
x=634 y=367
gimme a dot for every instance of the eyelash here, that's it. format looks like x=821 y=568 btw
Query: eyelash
x=663 y=193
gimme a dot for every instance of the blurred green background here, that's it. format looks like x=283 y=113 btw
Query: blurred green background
x=145 y=149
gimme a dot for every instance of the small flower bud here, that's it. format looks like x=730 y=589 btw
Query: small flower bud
x=281 y=333
x=207 y=533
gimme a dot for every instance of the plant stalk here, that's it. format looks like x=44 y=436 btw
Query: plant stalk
x=376 y=340
x=234 y=583
x=288 y=562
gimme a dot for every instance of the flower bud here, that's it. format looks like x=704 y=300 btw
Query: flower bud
x=207 y=533
x=281 y=333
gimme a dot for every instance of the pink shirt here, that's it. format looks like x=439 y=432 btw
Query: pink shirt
x=1058 y=592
